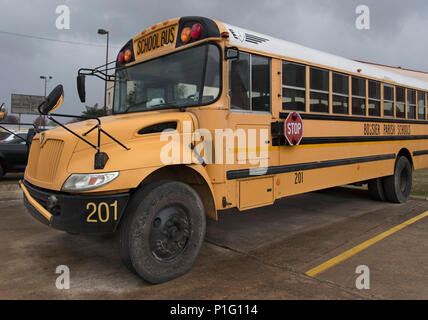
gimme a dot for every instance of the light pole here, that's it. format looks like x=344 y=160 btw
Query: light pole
x=105 y=32
x=46 y=78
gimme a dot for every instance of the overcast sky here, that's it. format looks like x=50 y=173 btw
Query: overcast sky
x=397 y=34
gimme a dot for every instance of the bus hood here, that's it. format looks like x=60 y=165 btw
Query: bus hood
x=57 y=153
x=128 y=127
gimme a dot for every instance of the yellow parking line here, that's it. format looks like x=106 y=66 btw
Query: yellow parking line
x=351 y=252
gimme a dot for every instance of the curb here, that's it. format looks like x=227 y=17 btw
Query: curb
x=425 y=198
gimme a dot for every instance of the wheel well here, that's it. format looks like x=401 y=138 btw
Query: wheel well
x=406 y=153
x=191 y=177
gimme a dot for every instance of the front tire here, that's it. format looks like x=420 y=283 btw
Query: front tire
x=163 y=231
x=399 y=186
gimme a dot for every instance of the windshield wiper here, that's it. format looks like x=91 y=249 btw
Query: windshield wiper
x=136 y=105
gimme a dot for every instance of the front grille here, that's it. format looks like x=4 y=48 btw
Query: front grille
x=44 y=160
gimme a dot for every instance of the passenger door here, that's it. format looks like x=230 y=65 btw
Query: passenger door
x=250 y=93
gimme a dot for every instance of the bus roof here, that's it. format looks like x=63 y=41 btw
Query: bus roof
x=260 y=42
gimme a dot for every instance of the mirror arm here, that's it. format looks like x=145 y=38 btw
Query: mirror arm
x=98 y=126
x=115 y=140
x=97 y=73
x=72 y=116
x=75 y=134
x=100 y=130
x=105 y=65
x=101 y=158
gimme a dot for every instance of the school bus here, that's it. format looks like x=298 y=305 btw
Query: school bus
x=360 y=124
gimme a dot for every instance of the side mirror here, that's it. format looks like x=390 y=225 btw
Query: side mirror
x=81 y=87
x=3 y=112
x=231 y=53
x=53 y=101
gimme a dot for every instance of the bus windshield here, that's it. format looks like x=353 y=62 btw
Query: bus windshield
x=186 y=78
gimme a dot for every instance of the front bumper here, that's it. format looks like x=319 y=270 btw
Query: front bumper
x=75 y=213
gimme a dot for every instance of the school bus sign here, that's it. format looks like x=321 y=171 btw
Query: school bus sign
x=156 y=40
x=294 y=128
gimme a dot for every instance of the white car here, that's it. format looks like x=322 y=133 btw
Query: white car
x=21 y=133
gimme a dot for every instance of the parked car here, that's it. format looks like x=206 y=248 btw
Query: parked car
x=14 y=154
x=10 y=136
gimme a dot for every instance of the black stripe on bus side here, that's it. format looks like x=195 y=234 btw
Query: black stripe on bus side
x=310 y=116
x=245 y=173
x=420 y=153
x=323 y=140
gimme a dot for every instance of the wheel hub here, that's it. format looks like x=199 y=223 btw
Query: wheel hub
x=169 y=233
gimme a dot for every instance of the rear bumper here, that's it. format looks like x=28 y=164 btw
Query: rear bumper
x=75 y=213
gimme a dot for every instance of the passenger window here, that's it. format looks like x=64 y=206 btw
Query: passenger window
x=374 y=98
x=411 y=104
x=400 y=93
x=340 y=93
x=293 y=86
x=260 y=83
x=358 y=96
x=388 y=101
x=319 y=90
x=250 y=71
x=421 y=105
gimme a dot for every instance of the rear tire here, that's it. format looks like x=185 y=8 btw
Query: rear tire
x=2 y=171
x=163 y=231
x=376 y=189
x=399 y=186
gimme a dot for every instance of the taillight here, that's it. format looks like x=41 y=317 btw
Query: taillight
x=186 y=35
x=196 y=31
x=121 y=58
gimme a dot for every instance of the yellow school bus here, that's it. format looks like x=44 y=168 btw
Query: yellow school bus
x=202 y=121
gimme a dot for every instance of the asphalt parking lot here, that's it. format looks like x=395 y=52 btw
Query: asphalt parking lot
x=265 y=253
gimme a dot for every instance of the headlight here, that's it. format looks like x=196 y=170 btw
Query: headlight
x=85 y=182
